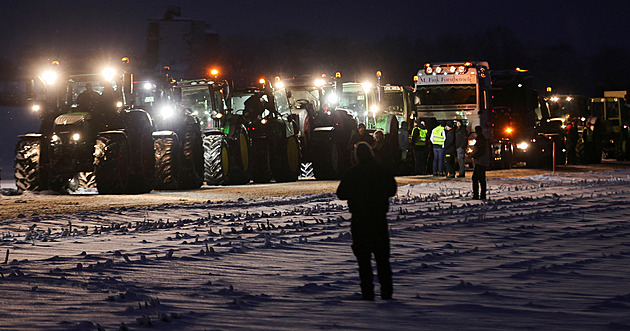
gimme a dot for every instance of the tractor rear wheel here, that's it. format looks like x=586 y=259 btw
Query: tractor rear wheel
x=167 y=163
x=111 y=166
x=28 y=175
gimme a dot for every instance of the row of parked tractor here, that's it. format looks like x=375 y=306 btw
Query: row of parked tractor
x=124 y=135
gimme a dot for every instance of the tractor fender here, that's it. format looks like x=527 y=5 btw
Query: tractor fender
x=30 y=136
x=112 y=133
x=164 y=134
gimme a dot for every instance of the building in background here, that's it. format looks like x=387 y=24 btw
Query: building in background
x=187 y=46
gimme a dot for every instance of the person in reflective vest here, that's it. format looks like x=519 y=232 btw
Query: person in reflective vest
x=438 y=136
x=418 y=140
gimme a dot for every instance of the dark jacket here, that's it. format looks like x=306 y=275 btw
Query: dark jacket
x=449 y=142
x=357 y=137
x=481 y=151
x=367 y=187
x=461 y=139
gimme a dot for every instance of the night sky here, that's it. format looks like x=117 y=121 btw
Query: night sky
x=587 y=25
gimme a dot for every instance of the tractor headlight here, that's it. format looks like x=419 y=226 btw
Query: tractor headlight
x=522 y=146
x=374 y=108
x=332 y=98
x=35 y=108
x=167 y=112
x=49 y=77
x=109 y=74
x=147 y=86
x=76 y=137
x=55 y=138
x=119 y=104
x=263 y=121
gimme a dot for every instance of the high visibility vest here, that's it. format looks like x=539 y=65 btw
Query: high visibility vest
x=438 y=136
x=421 y=139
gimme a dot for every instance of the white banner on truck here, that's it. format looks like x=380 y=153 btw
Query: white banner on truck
x=446 y=79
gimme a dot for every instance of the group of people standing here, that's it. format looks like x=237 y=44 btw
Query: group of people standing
x=446 y=142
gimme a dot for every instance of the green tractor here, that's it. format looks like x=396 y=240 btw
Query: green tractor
x=87 y=130
x=225 y=140
x=273 y=134
x=178 y=140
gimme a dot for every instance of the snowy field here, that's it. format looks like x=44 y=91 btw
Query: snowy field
x=546 y=252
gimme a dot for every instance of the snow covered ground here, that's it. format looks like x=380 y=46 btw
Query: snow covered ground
x=546 y=252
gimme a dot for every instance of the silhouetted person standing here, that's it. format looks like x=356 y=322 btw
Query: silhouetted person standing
x=367 y=187
x=418 y=140
x=461 y=142
x=481 y=159
x=450 y=150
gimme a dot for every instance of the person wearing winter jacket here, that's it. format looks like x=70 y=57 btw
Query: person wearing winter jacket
x=461 y=143
x=481 y=159
x=368 y=187
x=437 y=139
x=449 y=150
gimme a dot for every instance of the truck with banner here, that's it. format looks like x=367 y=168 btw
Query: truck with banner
x=461 y=91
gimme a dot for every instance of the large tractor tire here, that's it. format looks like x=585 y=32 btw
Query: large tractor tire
x=167 y=163
x=111 y=164
x=28 y=174
x=286 y=161
x=216 y=159
x=261 y=162
x=240 y=172
x=192 y=170
x=327 y=161
x=144 y=177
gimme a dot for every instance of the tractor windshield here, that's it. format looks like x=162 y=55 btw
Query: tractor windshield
x=197 y=98
x=393 y=103
x=446 y=94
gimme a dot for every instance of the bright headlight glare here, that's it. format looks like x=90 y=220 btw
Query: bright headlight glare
x=35 y=108
x=263 y=121
x=119 y=104
x=279 y=85
x=472 y=142
x=428 y=70
x=332 y=98
x=76 y=137
x=319 y=82
x=374 y=108
x=55 y=138
x=167 y=112
x=109 y=74
x=522 y=145
x=147 y=86
x=367 y=86
x=49 y=77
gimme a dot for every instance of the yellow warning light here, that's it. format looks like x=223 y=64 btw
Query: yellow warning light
x=379 y=74
x=509 y=130
x=214 y=72
x=262 y=81
x=56 y=63
x=125 y=60
x=521 y=69
x=337 y=74
x=324 y=75
x=415 y=78
x=548 y=88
